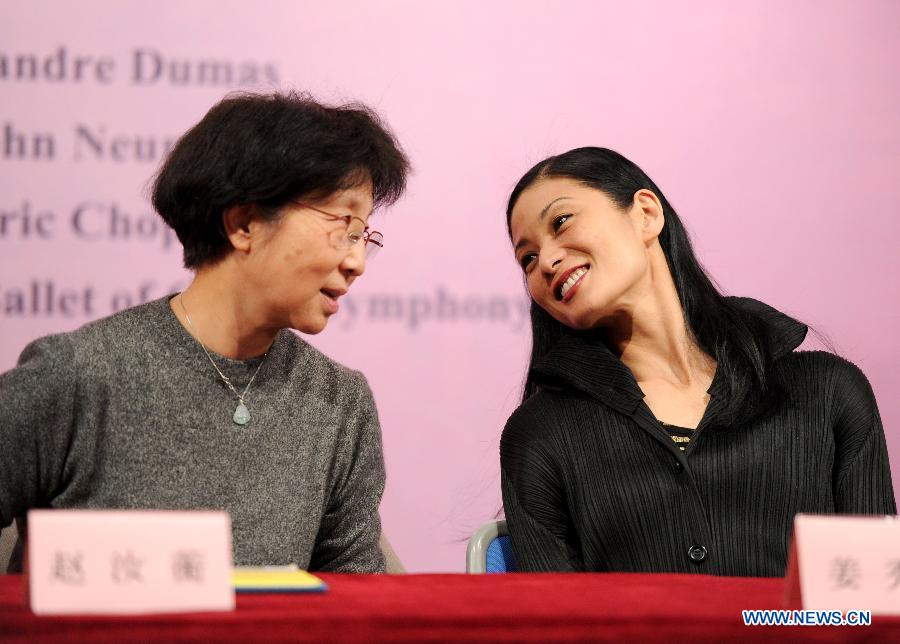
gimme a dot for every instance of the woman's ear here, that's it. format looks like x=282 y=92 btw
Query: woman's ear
x=236 y=220
x=649 y=211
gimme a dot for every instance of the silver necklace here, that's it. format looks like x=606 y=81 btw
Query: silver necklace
x=241 y=413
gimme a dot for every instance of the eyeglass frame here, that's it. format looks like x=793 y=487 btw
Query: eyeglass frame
x=365 y=235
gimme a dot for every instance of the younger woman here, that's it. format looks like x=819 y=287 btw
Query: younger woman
x=665 y=427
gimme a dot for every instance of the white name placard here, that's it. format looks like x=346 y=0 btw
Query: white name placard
x=128 y=561
x=845 y=563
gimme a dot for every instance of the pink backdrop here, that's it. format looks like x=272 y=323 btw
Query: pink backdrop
x=772 y=127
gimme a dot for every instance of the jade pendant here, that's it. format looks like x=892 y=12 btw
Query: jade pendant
x=241 y=414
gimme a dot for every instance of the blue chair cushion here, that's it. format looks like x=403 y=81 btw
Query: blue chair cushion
x=499 y=557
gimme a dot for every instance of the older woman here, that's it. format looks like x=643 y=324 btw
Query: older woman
x=206 y=399
x=664 y=427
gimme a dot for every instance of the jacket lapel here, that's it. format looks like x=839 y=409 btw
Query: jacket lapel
x=582 y=361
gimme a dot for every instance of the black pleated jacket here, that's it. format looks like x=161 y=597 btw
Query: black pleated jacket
x=591 y=481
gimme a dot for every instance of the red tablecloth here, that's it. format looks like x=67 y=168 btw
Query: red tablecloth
x=548 y=607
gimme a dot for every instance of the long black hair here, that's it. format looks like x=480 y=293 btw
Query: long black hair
x=733 y=335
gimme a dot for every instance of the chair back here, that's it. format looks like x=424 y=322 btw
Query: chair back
x=490 y=549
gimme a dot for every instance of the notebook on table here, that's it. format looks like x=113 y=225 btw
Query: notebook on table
x=275 y=579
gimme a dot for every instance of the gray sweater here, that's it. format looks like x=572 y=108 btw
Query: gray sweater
x=127 y=412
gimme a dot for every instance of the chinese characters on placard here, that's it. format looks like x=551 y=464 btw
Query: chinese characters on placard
x=187 y=566
x=67 y=568
x=894 y=574
x=125 y=567
x=846 y=573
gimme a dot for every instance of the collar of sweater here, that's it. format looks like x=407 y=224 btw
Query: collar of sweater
x=585 y=362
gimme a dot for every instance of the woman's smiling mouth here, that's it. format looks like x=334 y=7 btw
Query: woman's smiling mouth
x=566 y=290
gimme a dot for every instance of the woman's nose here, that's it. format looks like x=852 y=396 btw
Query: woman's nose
x=354 y=262
x=550 y=258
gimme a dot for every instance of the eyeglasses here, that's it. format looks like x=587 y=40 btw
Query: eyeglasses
x=352 y=234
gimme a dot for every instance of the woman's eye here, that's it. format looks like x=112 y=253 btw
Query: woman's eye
x=526 y=260
x=559 y=221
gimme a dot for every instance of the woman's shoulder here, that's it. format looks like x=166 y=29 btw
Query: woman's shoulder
x=844 y=381
x=542 y=416
x=824 y=364
x=316 y=368
x=45 y=359
x=124 y=329
x=85 y=352
x=110 y=333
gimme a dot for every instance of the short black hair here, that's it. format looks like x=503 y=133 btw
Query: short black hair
x=265 y=150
